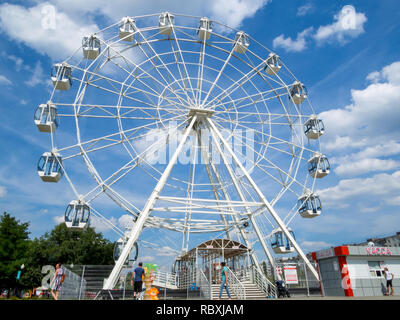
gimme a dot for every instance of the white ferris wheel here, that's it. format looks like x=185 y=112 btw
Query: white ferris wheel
x=210 y=127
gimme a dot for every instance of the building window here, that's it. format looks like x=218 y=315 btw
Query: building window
x=375 y=269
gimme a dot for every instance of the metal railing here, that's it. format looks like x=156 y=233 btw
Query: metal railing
x=237 y=287
x=165 y=279
x=205 y=286
x=72 y=286
x=262 y=282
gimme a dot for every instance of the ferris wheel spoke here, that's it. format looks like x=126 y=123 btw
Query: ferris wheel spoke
x=156 y=55
x=155 y=81
x=234 y=86
x=151 y=93
x=112 y=138
x=183 y=62
x=282 y=181
x=259 y=97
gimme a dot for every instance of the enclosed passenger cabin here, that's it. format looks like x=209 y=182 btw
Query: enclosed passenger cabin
x=241 y=42
x=280 y=243
x=166 y=23
x=120 y=245
x=272 y=64
x=45 y=117
x=127 y=29
x=91 y=47
x=309 y=206
x=61 y=76
x=50 y=167
x=314 y=128
x=205 y=28
x=297 y=93
x=318 y=166
x=77 y=215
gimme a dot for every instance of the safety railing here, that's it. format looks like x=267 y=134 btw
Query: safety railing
x=262 y=282
x=165 y=279
x=204 y=284
x=237 y=287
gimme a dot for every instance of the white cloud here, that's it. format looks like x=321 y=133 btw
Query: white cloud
x=230 y=12
x=347 y=24
x=360 y=166
x=4 y=80
x=37 y=76
x=24 y=25
x=147 y=259
x=290 y=45
x=315 y=245
x=345 y=27
x=58 y=219
x=379 y=188
x=126 y=221
x=3 y=192
x=305 y=9
x=99 y=225
x=371 y=120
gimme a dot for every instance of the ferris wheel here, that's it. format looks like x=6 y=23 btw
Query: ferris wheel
x=209 y=126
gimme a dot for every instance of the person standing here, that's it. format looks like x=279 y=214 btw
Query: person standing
x=389 y=278
x=137 y=275
x=224 y=281
x=57 y=281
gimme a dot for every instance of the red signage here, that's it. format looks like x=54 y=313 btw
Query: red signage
x=377 y=251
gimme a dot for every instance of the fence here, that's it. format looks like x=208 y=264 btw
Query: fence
x=72 y=286
x=299 y=279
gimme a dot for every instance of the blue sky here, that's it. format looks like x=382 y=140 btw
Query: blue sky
x=352 y=78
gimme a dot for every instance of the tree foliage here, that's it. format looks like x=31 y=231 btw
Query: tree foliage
x=59 y=245
x=13 y=246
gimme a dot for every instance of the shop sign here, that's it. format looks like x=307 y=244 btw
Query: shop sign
x=377 y=251
x=325 y=253
x=291 y=275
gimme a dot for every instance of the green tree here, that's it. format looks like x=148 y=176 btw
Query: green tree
x=74 y=247
x=59 y=245
x=14 y=242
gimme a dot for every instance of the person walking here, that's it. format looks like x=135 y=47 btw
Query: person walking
x=137 y=275
x=224 y=281
x=389 y=278
x=57 y=281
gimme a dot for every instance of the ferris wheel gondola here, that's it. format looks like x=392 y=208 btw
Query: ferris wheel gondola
x=205 y=28
x=127 y=29
x=272 y=64
x=46 y=117
x=314 y=127
x=280 y=243
x=119 y=246
x=91 y=47
x=61 y=76
x=319 y=166
x=309 y=205
x=76 y=216
x=297 y=93
x=166 y=23
x=49 y=167
x=241 y=42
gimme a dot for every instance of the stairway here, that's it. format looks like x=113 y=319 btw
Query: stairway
x=252 y=292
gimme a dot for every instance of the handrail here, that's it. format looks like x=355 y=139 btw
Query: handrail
x=165 y=278
x=205 y=288
x=237 y=287
x=263 y=283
